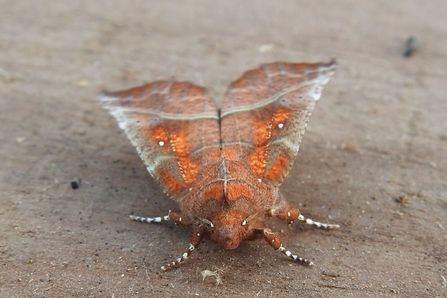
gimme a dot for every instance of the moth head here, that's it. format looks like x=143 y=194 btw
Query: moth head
x=230 y=228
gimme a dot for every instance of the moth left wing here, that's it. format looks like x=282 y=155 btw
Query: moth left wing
x=169 y=123
x=265 y=113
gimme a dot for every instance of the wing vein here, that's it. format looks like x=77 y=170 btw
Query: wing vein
x=267 y=101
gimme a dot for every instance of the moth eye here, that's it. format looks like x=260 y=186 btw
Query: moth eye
x=260 y=180
x=280 y=125
x=161 y=143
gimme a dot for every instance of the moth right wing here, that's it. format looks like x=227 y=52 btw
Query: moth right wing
x=265 y=113
x=169 y=123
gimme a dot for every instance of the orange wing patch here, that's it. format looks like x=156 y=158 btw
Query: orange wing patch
x=177 y=142
x=172 y=184
x=279 y=120
x=278 y=168
x=188 y=168
x=258 y=159
x=160 y=136
x=263 y=133
x=281 y=116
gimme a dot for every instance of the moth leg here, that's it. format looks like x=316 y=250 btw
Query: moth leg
x=196 y=238
x=318 y=224
x=290 y=214
x=275 y=241
x=178 y=218
x=287 y=213
x=175 y=216
x=149 y=219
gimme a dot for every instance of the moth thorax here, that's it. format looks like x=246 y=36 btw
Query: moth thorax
x=228 y=228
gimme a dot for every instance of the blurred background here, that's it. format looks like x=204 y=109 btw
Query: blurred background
x=373 y=159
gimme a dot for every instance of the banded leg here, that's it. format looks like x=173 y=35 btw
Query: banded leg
x=175 y=216
x=318 y=224
x=290 y=213
x=295 y=257
x=275 y=241
x=150 y=219
x=196 y=238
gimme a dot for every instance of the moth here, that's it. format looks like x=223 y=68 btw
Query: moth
x=224 y=166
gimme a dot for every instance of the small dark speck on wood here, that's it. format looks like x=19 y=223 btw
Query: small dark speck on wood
x=74 y=184
x=411 y=46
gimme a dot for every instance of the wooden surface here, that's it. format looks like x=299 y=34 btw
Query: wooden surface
x=373 y=159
